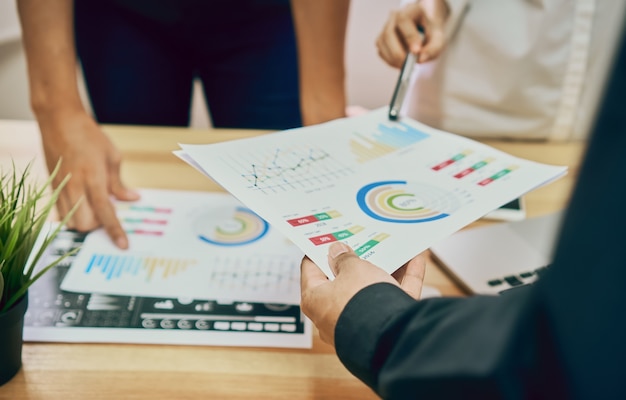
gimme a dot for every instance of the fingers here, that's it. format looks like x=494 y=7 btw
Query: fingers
x=407 y=28
x=117 y=188
x=83 y=219
x=390 y=46
x=63 y=208
x=311 y=275
x=97 y=210
x=411 y=276
x=434 y=42
x=105 y=213
x=311 y=280
x=400 y=33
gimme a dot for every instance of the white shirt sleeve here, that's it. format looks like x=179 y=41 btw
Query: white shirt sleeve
x=457 y=9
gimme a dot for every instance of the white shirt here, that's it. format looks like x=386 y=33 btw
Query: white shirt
x=531 y=69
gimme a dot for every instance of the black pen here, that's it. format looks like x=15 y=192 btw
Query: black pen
x=401 y=87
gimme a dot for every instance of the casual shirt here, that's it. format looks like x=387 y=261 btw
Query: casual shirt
x=529 y=69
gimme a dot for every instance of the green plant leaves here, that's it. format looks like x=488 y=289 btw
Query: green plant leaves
x=23 y=216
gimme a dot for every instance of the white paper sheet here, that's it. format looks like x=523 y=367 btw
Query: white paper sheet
x=190 y=244
x=387 y=189
x=55 y=315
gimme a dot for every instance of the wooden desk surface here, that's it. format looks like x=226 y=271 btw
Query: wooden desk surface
x=117 y=371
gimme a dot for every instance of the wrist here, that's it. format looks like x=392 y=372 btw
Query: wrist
x=319 y=111
x=322 y=105
x=51 y=108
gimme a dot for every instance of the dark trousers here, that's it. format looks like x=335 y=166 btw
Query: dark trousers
x=139 y=59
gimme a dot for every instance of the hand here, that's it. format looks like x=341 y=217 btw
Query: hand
x=94 y=164
x=400 y=33
x=323 y=300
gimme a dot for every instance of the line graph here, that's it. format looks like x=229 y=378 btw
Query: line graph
x=278 y=169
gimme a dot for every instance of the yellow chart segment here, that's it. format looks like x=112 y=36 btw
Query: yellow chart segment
x=120 y=266
x=166 y=267
x=369 y=151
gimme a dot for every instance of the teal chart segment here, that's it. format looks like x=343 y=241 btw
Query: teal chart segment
x=236 y=228
x=406 y=203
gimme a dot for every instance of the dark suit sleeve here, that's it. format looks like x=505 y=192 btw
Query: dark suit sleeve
x=480 y=347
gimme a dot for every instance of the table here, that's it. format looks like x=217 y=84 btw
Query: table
x=132 y=371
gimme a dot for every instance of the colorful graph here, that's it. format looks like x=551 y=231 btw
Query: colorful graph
x=143 y=208
x=387 y=139
x=138 y=219
x=335 y=236
x=481 y=170
x=403 y=202
x=119 y=266
x=498 y=175
x=367 y=246
x=310 y=219
x=474 y=167
x=278 y=170
x=230 y=227
x=452 y=160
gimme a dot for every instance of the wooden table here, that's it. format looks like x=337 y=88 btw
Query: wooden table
x=116 y=371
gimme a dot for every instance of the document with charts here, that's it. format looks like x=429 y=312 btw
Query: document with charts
x=387 y=189
x=196 y=245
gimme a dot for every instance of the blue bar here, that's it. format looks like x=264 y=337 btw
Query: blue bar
x=90 y=265
x=120 y=266
x=111 y=266
x=397 y=138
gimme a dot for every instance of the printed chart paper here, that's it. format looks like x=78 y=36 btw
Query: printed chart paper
x=387 y=189
x=190 y=244
x=56 y=315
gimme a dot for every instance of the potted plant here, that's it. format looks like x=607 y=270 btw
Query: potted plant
x=24 y=212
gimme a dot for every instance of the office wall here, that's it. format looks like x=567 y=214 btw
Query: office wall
x=13 y=83
x=369 y=81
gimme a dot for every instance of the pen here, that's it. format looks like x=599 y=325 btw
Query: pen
x=401 y=86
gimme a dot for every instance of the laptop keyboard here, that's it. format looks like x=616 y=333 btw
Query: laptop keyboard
x=509 y=282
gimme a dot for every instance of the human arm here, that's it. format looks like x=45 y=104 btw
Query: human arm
x=68 y=132
x=320 y=31
x=480 y=347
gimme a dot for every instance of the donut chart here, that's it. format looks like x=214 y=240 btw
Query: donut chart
x=233 y=227
x=406 y=202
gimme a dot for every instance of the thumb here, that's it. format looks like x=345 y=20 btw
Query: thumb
x=340 y=256
x=413 y=278
x=434 y=44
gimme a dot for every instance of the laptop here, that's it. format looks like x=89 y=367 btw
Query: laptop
x=495 y=258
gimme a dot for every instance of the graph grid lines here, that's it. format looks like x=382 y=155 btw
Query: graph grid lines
x=279 y=170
